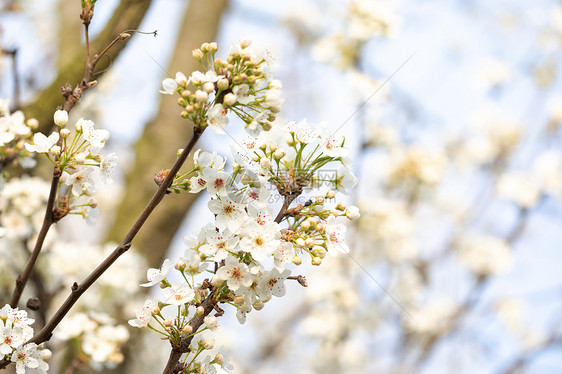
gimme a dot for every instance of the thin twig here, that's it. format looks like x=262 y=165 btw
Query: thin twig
x=71 y=98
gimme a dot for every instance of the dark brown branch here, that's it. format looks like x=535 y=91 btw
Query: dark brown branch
x=285 y=208
x=181 y=347
x=172 y=361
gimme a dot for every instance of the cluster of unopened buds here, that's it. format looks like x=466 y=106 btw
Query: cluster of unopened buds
x=237 y=85
x=226 y=263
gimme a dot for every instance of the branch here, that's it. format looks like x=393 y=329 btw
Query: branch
x=183 y=347
x=78 y=290
x=285 y=208
x=72 y=96
x=128 y=15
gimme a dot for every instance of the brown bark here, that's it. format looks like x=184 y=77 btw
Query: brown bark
x=128 y=15
x=161 y=138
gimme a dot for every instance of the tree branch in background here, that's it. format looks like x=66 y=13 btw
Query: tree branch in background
x=72 y=96
x=128 y=15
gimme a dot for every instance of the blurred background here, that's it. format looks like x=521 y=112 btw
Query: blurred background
x=453 y=112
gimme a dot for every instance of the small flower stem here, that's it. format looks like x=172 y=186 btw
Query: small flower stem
x=78 y=289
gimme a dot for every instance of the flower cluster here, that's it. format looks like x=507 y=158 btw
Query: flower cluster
x=14 y=131
x=237 y=85
x=79 y=161
x=97 y=336
x=15 y=330
x=241 y=257
x=22 y=207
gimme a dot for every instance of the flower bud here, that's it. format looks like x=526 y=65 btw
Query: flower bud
x=167 y=322
x=209 y=87
x=187 y=330
x=60 y=118
x=229 y=99
x=219 y=359
x=275 y=84
x=245 y=43
x=300 y=242
x=265 y=163
x=312 y=222
x=205 y=47
x=55 y=150
x=305 y=225
x=279 y=154
x=32 y=123
x=341 y=207
x=93 y=203
x=320 y=226
x=201 y=96
x=213 y=46
x=64 y=133
x=352 y=212
x=179 y=152
x=330 y=194
x=161 y=176
x=197 y=54
x=200 y=310
x=216 y=281
x=309 y=242
x=80 y=158
x=297 y=260
x=155 y=311
x=320 y=200
x=239 y=300
x=180 y=265
x=319 y=252
x=223 y=84
x=258 y=305
x=316 y=261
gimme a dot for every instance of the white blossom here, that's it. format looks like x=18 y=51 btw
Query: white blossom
x=41 y=143
x=156 y=276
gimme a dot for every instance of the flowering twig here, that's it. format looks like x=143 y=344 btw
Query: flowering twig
x=183 y=347
x=79 y=289
x=72 y=96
